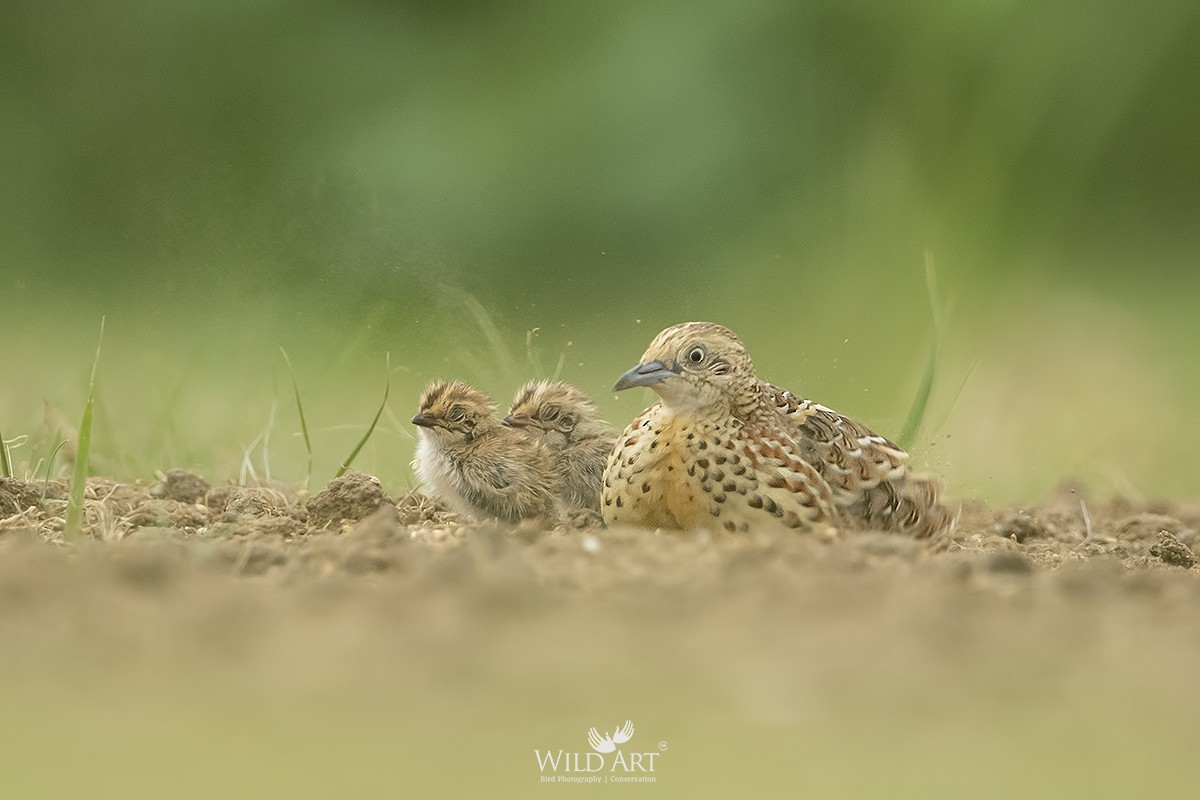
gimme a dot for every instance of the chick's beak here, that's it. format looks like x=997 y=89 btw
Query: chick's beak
x=647 y=374
x=517 y=420
x=424 y=420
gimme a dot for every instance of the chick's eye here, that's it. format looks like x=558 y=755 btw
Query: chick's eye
x=550 y=413
x=567 y=422
x=457 y=413
x=696 y=355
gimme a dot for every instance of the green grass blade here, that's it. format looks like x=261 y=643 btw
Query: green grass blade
x=920 y=404
x=82 y=451
x=916 y=412
x=266 y=440
x=303 y=423
x=49 y=464
x=5 y=464
x=957 y=396
x=354 y=453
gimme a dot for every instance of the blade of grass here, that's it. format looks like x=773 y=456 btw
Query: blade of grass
x=502 y=359
x=957 y=395
x=5 y=464
x=916 y=412
x=74 y=524
x=49 y=464
x=535 y=364
x=266 y=441
x=13 y=444
x=354 y=453
x=49 y=443
x=487 y=326
x=262 y=442
x=247 y=469
x=399 y=426
x=303 y=423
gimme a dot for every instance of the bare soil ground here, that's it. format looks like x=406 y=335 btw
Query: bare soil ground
x=353 y=526
x=263 y=642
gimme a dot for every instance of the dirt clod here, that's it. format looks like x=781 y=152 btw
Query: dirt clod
x=181 y=486
x=1170 y=550
x=261 y=502
x=350 y=498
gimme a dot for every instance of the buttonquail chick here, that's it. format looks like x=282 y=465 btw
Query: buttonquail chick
x=475 y=465
x=565 y=421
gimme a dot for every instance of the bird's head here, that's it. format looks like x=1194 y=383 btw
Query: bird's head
x=558 y=411
x=453 y=410
x=695 y=366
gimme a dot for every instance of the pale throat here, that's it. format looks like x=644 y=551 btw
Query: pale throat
x=683 y=398
x=709 y=403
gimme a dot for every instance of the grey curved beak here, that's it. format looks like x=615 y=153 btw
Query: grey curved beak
x=647 y=374
x=424 y=421
x=517 y=421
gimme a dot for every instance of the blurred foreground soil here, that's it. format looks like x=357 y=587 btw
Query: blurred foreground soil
x=262 y=642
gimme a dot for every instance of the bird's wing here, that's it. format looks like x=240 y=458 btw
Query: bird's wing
x=491 y=470
x=850 y=456
x=784 y=483
x=509 y=468
x=868 y=474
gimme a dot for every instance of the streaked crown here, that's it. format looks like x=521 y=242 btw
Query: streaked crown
x=553 y=406
x=453 y=405
x=711 y=363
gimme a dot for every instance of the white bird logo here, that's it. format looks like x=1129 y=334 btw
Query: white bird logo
x=606 y=743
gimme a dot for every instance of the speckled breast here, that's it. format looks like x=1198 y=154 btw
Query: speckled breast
x=676 y=471
x=651 y=480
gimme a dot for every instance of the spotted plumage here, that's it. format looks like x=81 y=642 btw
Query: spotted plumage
x=724 y=448
x=867 y=473
x=712 y=452
x=475 y=465
x=564 y=420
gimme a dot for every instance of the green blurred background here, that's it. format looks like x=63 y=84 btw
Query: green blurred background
x=501 y=191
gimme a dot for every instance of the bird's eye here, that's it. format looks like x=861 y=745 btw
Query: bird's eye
x=550 y=413
x=567 y=422
x=696 y=354
x=457 y=413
